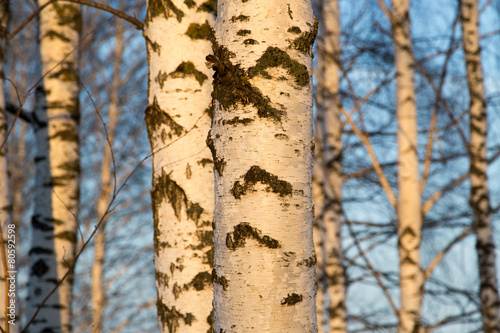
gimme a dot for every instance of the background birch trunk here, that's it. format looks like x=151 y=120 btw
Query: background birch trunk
x=56 y=208
x=479 y=194
x=98 y=286
x=178 y=119
x=262 y=145
x=408 y=207
x=5 y=201
x=329 y=113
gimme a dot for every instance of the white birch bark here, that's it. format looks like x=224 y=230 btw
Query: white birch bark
x=261 y=140
x=5 y=201
x=409 y=201
x=178 y=120
x=329 y=113
x=479 y=194
x=56 y=204
x=98 y=286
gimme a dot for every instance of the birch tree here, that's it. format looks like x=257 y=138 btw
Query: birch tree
x=54 y=222
x=329 y=118
x=262 y=144
x=479 y=194
x=408 y=206
x=178 y=119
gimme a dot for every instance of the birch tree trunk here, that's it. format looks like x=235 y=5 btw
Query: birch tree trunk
x=5 y=201
x=262 y=145
x=178 y=120
x=98 y=286
x=409 y=207
x=479 y=195
x=54 y=221
x=329 y=112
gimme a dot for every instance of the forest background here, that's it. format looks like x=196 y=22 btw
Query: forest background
x=113 y=75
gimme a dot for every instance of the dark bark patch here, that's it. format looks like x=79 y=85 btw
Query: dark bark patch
x=308 y=262
x=305 y=42
x=201 y=281
x=291 y=299
x=242 y=231
x=170 y=317
x=210 y=321
x=68 y=15
x=156 y=118
x=237 y=120
x=189 y=3
x=186 y=69
x=294 y=30
x=163 y=7
x=274 y=57
x=240 y=18
x=209 y=6
x=56 y=35
x=67 y=235
x=219 y=163
x=162 y=278
x=250 y=41
x=243 y=32
x=220 y=279
x=200 y=31
x=40 y=268
x=205 y=161
x=254 y=175
x=232 y=85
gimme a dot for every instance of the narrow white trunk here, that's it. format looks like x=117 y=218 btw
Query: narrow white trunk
x=329 y=112
x=56 y=204
x=409 y=206
x=178 y=120
x=261 y=140
x=98 y=286
x=479 y=195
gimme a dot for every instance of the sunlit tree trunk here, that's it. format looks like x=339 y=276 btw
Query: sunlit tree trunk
x=98 y=286
x=479 y=195
x=178 y=119
x=54 y=222
x=262 y=145
x=5 y=201
x=329 y=113
x=408 y=208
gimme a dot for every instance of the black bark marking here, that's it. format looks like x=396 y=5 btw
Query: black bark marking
x=232 y=85
x=304 y=42
x=254 y=175
x=186 y=69
x=200 y=31
x=219 y=163
x=156 y=118
x=242 y=231
x=163 y=7
x=220 y=279
x=275 y=57
x=171 y=317
x=291 y=299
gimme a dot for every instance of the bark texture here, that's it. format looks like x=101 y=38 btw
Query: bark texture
x=178 y=119
x=409 y=201
x=329 y=107
x=54 y=222
x=262 y=145
x=479 y=195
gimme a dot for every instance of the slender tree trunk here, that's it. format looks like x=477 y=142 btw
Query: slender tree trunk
x=262 y=145
x=98 y=286
x=58 y=167
x=318 y=226
x=329 y=112
x=5 y=201
x=178 y=120
x=479 y=195
x=409 y=206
